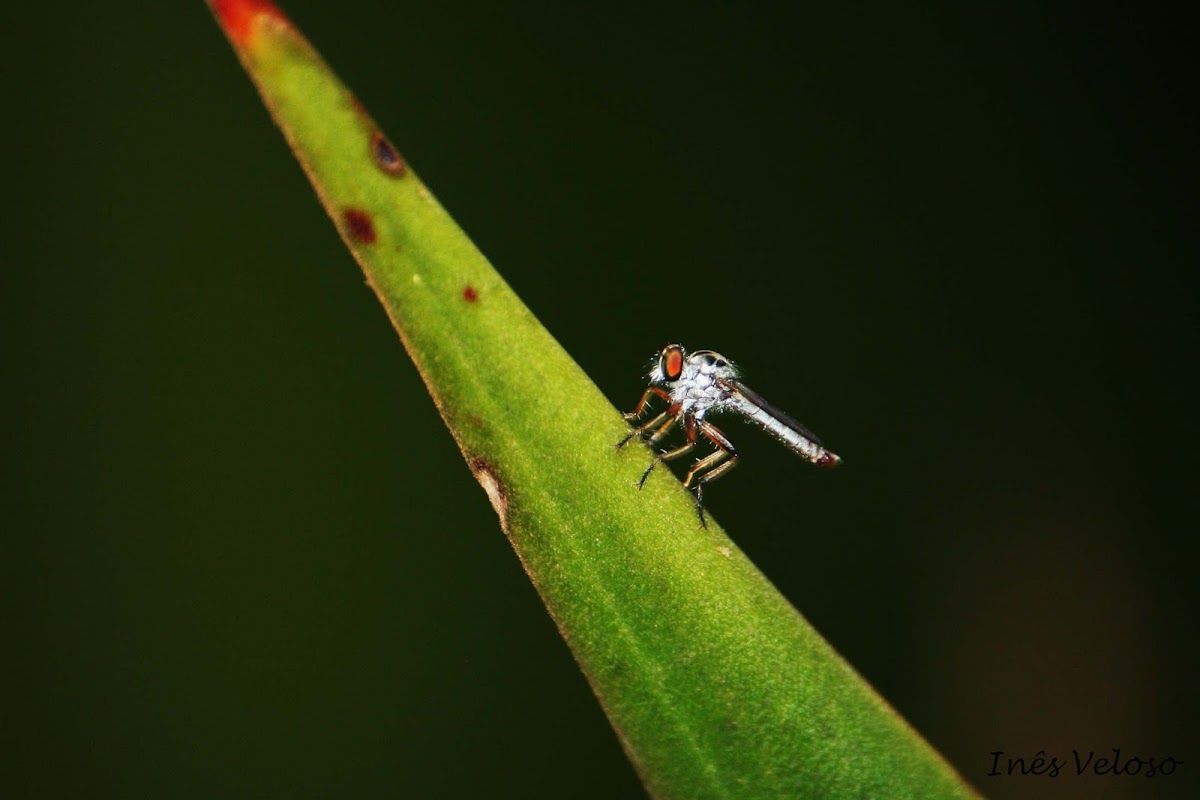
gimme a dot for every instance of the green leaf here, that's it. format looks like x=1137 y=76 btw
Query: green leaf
x=715 y=685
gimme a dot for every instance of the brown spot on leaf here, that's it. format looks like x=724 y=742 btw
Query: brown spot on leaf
x=470 y=295
x=386 y=156
x=359 y=107
x=485 y=473
x=359 y=225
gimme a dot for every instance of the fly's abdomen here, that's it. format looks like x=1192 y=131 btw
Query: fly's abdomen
x=799 y=442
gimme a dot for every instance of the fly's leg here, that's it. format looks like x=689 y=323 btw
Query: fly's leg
x=653 y=391
x=712 y=466
x=689 y=424
x=638 y=431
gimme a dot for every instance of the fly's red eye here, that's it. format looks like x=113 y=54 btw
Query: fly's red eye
x=672 y=362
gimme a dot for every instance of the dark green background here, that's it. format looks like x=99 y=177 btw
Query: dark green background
x=242 y=556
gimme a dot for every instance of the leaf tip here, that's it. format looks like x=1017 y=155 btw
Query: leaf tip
x=239 y=18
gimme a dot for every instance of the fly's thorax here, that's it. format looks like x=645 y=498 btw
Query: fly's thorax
x=698 y=390
x=710 y=363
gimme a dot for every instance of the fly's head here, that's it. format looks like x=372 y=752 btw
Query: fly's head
x=696 y=380
x=668 y=367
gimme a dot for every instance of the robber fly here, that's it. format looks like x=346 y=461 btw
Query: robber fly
x=695 y=384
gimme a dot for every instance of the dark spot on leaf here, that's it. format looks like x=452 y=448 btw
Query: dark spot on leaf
x=470 y=295
x=359 y=225
x=386 y=156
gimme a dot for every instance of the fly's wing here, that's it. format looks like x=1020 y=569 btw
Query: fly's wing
x=745 y=396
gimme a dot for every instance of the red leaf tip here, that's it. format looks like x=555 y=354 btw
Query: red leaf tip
x=237 y=17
